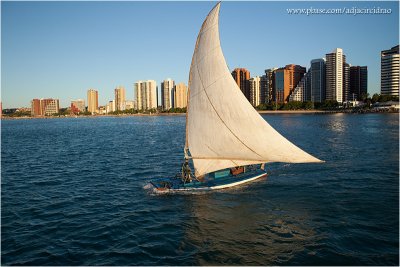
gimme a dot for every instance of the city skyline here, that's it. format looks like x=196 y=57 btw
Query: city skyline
x=102 y=44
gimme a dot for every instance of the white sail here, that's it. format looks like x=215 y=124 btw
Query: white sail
x=223 y=129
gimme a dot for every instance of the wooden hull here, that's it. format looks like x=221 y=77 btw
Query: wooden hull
x=174 y=185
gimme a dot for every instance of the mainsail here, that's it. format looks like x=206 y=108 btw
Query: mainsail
x=222 y=128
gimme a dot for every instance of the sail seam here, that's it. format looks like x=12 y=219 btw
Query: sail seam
x=205 y=91
x=211 y=84
x=208 y=54
x=218 y=154
x=207 y=29
x=189 y=83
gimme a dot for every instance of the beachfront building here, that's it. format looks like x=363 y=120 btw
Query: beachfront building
x=334 y=75
x=346 y=82
x=93 y=100
x=264 y=90
x=241 y=77
x=270 y=80
x=78 y=106
x=167 y=94
x=180 y=95
x=390 y=68
x=286 y=79
x=358 y=82
x=119 y=93
x=45 y=107
x=254 y=86
x=317 y=80
x=146 y=94
x=300 y=92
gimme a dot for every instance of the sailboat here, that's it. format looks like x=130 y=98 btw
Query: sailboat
x=227 y=141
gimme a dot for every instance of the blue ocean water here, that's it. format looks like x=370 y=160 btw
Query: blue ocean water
x=72 y=193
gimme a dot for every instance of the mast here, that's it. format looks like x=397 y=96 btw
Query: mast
x=186 y=149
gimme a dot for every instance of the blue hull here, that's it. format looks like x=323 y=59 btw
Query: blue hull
x=209 y=183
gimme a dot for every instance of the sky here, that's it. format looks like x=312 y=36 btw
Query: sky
x=62 y=49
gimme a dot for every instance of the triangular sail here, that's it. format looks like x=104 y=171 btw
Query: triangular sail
x=223 y=129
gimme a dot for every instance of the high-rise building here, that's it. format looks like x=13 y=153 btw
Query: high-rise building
x=167 y=94
x=346 y=82
x=78 y=106
x=45 y=107
x=318 y=84
x=280 y=80
x=358 y=82
x=390 y=68
x=35 y=107
x=270 y=77
x=151 y=93
x=137 y=88
x=300 y=92
x=255 y=92
x=180 y=96
x=146 y=94
x=119 y=93
x=264 y=90
x=307 y=86
x=286 y=79
x=93 y=100
x=241 y=77
x=334 y=75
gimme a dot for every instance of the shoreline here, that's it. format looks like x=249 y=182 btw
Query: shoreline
x=276 y=112
x=310 y=111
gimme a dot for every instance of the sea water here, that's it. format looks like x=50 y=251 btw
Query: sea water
x=74 y=192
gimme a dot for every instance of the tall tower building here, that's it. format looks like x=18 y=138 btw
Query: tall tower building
x=264 y=90
x=180 y=96
x=255 y=96
x=358 y=82
x=93 y=100
x=390 y=68
x=281 y=78
x=346 y=82
x=334 y=75
x=241 y=77
x=151 y=94
x=307 y=85
x=119 y=93
x=137 y=88
x=146 y=94
x=286 y=79
x=317 y=83
x=167 y=93
x=270 y=77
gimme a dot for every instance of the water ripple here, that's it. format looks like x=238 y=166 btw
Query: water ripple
x=74 y=192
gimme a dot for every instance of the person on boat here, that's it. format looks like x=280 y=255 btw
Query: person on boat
x=186 y=172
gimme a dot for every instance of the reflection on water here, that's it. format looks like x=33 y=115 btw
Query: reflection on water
x=336 y=123
x=247 y=231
